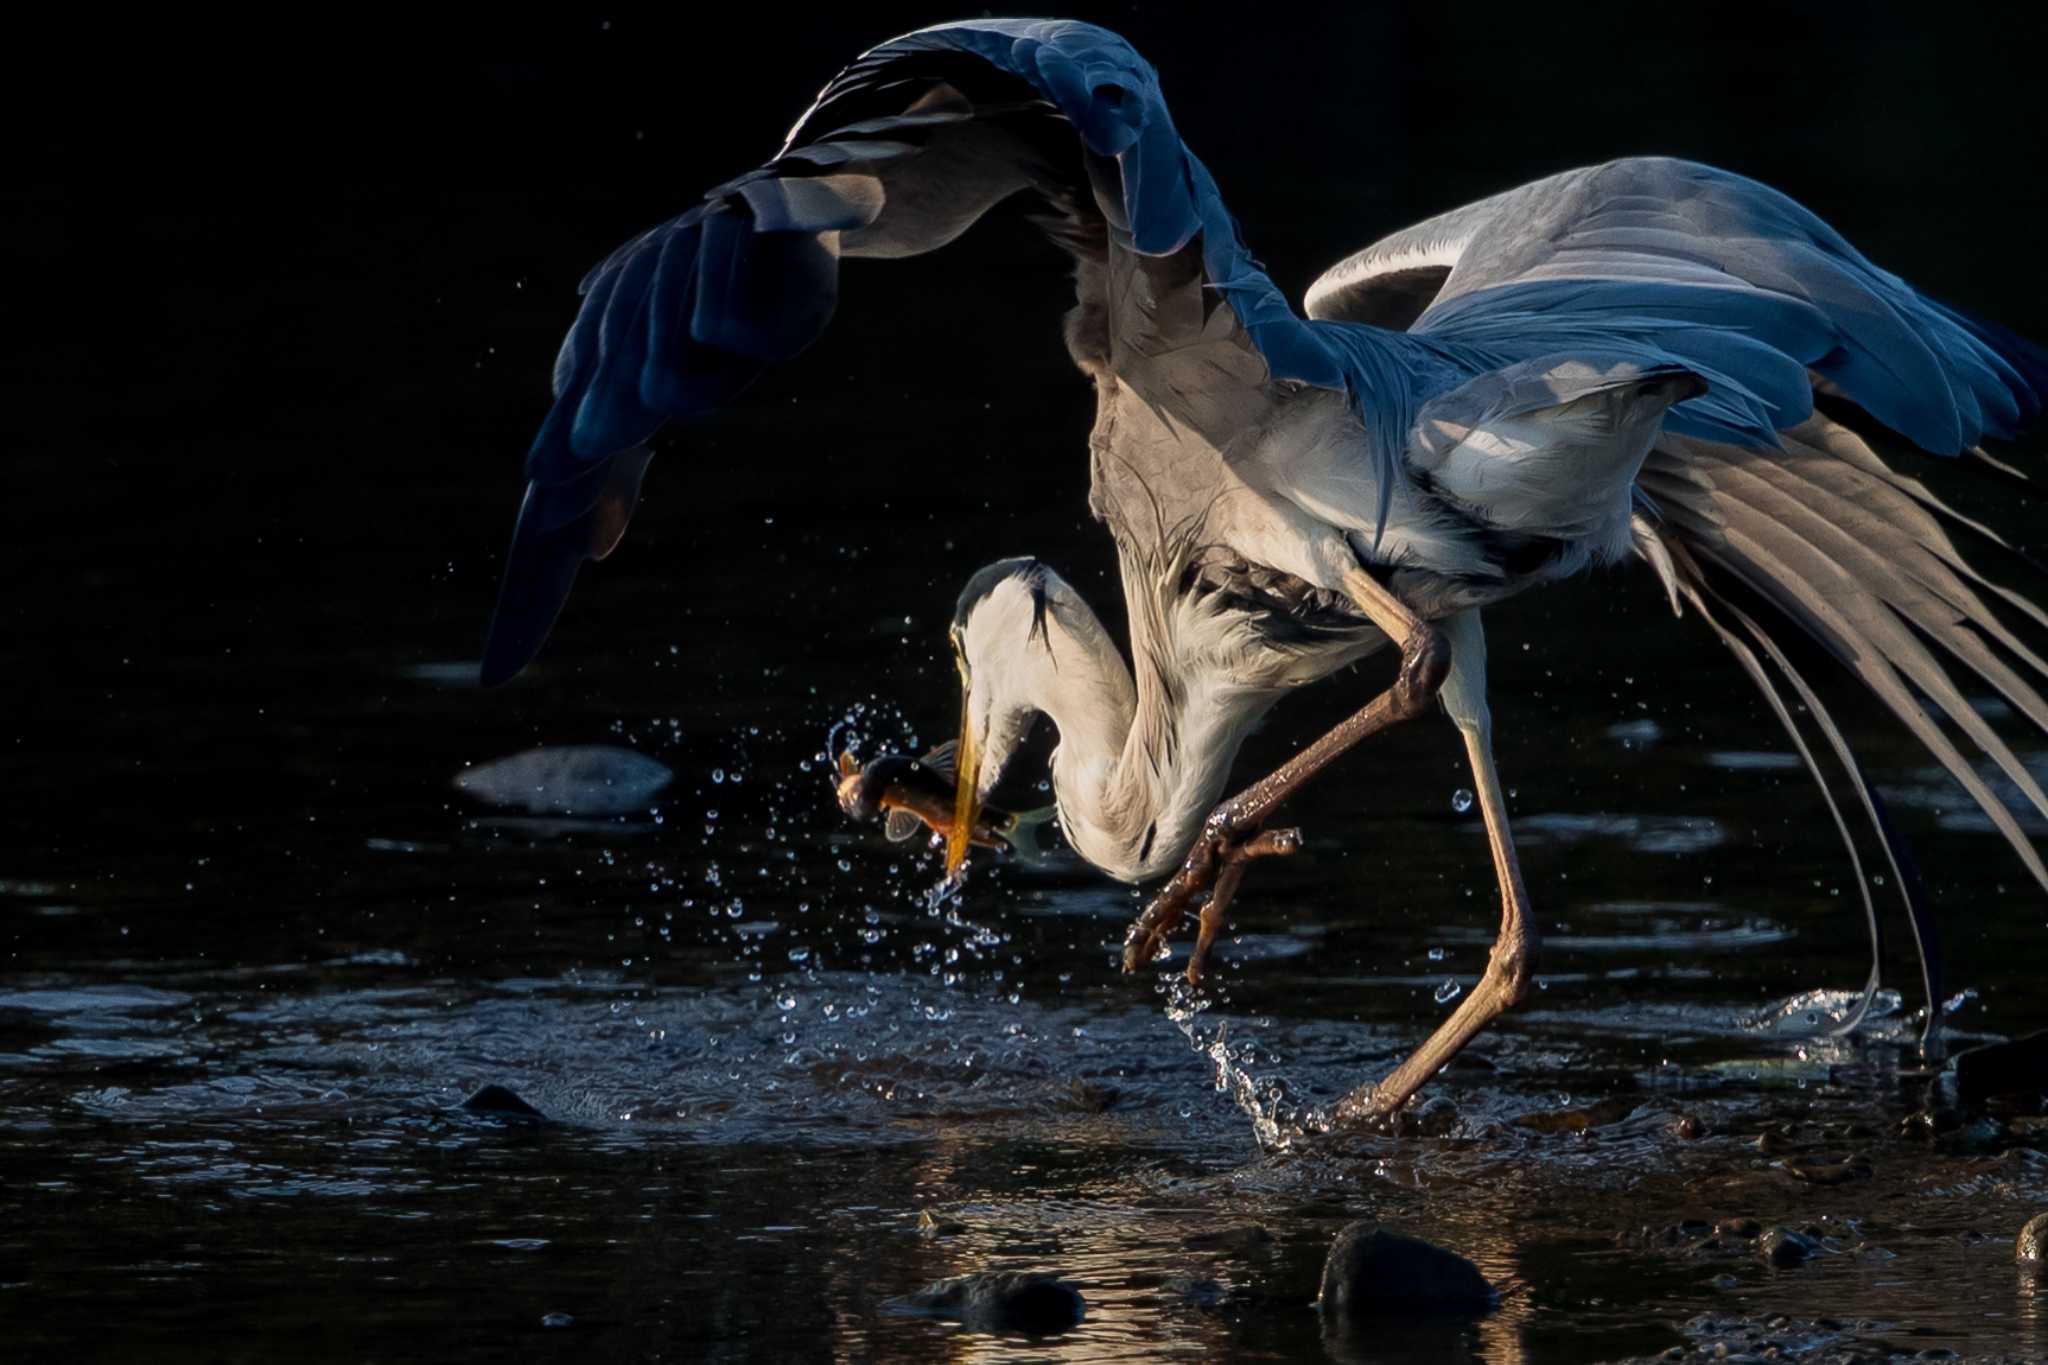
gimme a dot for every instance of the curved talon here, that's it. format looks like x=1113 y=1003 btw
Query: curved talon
x=1215 y=864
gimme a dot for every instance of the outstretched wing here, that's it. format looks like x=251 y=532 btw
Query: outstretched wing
x=900 y=154
x=1751 y=491
x=1725 y=274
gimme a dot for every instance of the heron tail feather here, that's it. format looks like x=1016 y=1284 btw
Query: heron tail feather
x=1833 y=538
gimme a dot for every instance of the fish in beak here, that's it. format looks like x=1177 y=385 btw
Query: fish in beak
x=916 y=794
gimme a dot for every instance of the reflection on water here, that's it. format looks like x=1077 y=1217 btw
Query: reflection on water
x=766 y=1048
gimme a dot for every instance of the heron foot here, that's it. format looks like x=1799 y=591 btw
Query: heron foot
x=1215 y=865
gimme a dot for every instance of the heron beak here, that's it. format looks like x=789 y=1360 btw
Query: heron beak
x=966 y=797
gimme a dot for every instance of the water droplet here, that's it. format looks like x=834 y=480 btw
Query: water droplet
x=1448 y=991
x=799 y=954
x=717 y=775
x=785 y=1002
x=1461 y=800
x=1436 y=955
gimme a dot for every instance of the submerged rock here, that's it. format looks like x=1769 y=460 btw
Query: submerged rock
x=577 y=779
x=1826 y=1170
x=1002 y=1301
x=495 y=1101
x=1372 y=1273
x=1784 y=1248
x=1245 y=1237
x=1088 y=1097
x=1194 y=1291
x=2031 y=1250
x=1579 y=1120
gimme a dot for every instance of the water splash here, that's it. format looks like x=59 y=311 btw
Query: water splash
x=1277 y=1122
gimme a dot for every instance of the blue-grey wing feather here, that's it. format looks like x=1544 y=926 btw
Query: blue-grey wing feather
x=1713 y=268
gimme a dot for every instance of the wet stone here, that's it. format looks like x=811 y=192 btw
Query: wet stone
x=591 y=779
x=1375 y=1274
x=1784 y=1248
x=1743 y=1229
x=495 y=1101
x=1030 y=1302
x=2031 y=1250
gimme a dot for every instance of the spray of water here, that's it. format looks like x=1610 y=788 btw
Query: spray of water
x=1278 y=1122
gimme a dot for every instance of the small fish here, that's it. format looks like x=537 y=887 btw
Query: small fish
x=917 y=793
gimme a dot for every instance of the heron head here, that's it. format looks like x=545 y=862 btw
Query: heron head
x=1000 y=621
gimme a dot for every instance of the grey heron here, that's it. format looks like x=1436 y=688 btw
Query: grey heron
x=1648 y=357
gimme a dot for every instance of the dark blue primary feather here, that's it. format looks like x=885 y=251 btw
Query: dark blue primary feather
x=678 y=320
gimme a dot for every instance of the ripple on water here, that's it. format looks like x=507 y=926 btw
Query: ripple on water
x=85 y=999
x=1644 y=833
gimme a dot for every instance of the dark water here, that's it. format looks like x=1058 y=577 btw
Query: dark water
x=259 y=947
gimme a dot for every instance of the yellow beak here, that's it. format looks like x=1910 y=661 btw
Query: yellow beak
x=966 y=797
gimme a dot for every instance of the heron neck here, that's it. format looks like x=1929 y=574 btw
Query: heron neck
x=1144 y=751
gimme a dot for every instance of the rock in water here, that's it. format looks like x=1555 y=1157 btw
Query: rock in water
x=577 y=779
x=1372 y=1273
x=1784 y=1248
x=2032 y=1248
x=495 y=1101
x=1004 y=1301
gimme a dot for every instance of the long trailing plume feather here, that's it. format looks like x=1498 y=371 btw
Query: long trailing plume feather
x=1862 y=559
x=1682 y=579
x=1905 y=871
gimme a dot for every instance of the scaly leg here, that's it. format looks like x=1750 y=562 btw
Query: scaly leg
x=1506 y=979
x=1231 y=835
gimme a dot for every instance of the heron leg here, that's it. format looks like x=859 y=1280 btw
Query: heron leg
x=1506 y=979
x=1230 y=836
